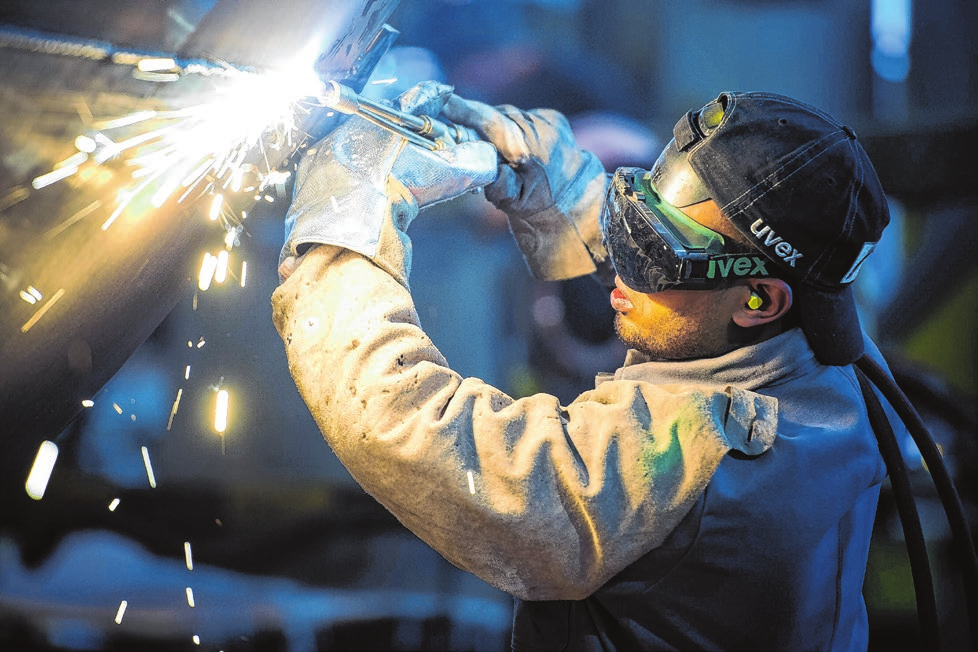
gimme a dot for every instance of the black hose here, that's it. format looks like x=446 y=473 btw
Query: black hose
x=961 y=534
x=913 y=533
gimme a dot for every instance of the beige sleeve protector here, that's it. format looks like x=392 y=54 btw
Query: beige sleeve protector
x=540 y=500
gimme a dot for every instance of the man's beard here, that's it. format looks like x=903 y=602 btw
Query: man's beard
x=682 y=339
x=674 y=341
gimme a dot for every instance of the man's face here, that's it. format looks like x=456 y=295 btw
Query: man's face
x=675 y=324
x=680 y=324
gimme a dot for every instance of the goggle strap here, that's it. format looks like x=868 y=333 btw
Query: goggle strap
x=686 y=132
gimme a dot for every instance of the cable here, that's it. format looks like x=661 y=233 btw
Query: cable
x=28 y=40
x=961 y=534
x=913 y=533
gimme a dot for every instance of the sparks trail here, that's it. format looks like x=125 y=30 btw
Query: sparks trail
x=229 y=148
x=228 y=151
x=217 y=149
x=218 y=146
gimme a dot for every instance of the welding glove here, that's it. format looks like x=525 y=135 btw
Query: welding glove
x=551 y=190
x=361 y=181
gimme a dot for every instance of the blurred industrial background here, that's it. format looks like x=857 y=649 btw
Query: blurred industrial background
x=157 y=533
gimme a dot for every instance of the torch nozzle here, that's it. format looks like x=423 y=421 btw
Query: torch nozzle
x=421 y=130
x=340 y=98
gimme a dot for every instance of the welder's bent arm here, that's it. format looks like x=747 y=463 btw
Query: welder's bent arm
x=540 y=500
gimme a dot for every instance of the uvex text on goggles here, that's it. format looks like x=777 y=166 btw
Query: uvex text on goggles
x=654 y=246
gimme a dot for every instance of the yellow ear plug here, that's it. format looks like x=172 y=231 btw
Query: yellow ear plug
x=755 y=301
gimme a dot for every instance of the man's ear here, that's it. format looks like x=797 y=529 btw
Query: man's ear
x=765 y=300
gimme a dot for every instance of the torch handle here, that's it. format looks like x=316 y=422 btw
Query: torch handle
x=421 y=130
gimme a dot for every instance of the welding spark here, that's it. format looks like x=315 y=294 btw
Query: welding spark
x=244 y=272
x=221 y=412
x=121 y=612
x=87 y=403
x=80 y=215
x=13 y=197
x=176 y=404
x=471 y=481
x=149 y=467
x=207 y=268
x=115 y=503
x=188 y=555
x=124 y=121
x=237 y=180
x=216 y=204
x=62 y=170
x=54 y=176
x=196 y=640
x=40 y=474
x=86 y=144
x=221 y=270
x=40 y=313
x=124 y=199
x=190 y=597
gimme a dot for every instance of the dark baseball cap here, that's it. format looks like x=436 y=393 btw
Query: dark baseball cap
x=800 y=187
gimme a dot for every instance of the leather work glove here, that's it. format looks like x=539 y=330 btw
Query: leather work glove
x=551 y=190
x=361 y=179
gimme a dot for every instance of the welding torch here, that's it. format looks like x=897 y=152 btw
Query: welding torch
x=421 y=130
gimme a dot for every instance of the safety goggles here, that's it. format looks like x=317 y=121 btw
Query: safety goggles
x=654 y=246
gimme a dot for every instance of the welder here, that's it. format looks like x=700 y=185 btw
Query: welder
x=717 y=491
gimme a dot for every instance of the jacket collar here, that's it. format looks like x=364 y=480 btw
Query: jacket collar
x=749 y=367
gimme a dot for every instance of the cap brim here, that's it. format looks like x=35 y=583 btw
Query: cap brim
x=831 y=324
